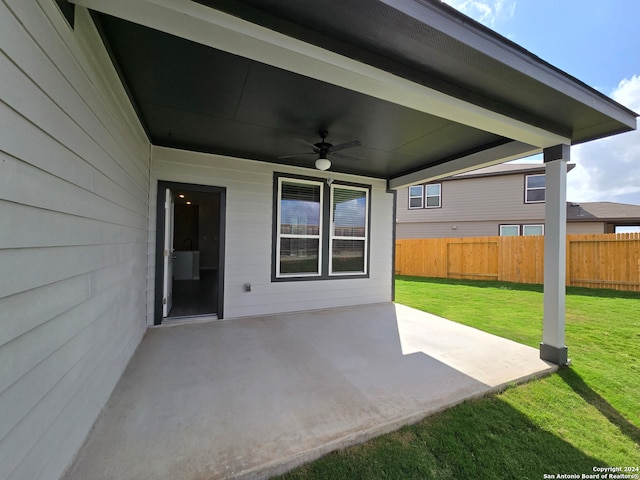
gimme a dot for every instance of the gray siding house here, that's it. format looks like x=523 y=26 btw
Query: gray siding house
x=119 y=116
x=504 y=199
x=601 y=217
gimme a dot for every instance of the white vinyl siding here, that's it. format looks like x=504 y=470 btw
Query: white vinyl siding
x=73 y=234
x=249 y=235
x=534 y=188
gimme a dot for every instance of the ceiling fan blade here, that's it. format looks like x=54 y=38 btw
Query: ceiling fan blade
x=309 y=144
x=344 y=146
x=345 y=155
x=298 y=155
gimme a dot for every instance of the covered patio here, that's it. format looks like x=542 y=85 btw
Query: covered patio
x=110 y=106
x=254 y=397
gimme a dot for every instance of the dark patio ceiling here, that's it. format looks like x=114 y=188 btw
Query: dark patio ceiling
x=195 y=97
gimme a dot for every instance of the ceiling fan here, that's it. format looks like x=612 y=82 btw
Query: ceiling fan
x=323 y=149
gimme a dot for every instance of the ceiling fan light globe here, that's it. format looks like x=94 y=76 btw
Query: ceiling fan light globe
x=323 y=164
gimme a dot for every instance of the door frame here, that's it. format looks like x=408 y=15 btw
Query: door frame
x=160 y=234
x=167 y=253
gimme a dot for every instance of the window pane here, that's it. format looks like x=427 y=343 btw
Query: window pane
x=433 y=201
x=415 y=191
x=535 y=181
x=535 y=195
x=300 y=209
x=348 y=256
x=349 y=212
x=299 y=255
x=433 y=189
x=532 y=230
x=415 y=202
x=509 y=230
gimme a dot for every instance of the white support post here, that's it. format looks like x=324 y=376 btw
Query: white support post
x=553 y=348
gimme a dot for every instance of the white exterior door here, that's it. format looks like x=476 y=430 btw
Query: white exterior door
x=168 y=254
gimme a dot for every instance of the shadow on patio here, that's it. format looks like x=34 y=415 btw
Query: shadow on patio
x=256 y=396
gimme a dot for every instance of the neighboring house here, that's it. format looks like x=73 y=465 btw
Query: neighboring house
x=119 y=118
x=506 y=199
x=601 y=217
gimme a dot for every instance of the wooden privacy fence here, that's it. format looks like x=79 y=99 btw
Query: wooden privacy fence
x=595 y=261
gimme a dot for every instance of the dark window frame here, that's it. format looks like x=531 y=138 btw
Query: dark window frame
x=68 y=11
x=160 y=230
x=297 y=236
x=325 y=233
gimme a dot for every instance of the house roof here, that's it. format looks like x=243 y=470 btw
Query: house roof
x=620 y=213
x=419 y=84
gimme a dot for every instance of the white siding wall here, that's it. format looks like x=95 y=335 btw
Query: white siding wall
x=74 y=176
x=248 y=236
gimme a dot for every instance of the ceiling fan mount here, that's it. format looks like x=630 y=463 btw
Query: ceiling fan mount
x=324 y=149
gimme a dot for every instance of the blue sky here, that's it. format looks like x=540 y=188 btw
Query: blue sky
x=596 y=41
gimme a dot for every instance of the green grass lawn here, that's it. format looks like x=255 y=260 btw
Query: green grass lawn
x=582 y=417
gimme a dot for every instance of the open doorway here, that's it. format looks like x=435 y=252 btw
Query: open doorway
x=189 y=251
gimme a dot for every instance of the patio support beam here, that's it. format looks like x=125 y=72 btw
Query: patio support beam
x=491 y=156
x=552 y=347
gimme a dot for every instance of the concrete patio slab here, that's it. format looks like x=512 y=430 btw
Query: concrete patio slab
x=253 y=397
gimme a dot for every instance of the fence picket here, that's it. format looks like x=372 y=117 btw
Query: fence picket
x=595 y=261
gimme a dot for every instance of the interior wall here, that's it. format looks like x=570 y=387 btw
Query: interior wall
x=74 y=180
x=209 y=231
x=186 y=228
x=248 y=236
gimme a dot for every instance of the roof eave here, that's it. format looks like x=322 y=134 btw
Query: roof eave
x=477 y=36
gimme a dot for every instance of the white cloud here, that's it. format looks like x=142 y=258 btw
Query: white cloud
x=485 y=11
x=609 y=169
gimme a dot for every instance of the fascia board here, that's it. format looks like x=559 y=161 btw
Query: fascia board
x=488 y=42
x=485 y=158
